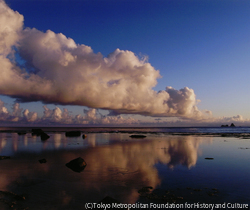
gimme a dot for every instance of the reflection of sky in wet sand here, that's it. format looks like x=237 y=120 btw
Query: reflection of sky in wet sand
x=116 y=165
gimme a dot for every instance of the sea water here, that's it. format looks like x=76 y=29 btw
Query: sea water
x=159 y=169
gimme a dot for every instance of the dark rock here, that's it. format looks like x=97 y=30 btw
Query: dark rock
x=138 y=136
x=4 y=157
x=208 y=158
x=77 y=165
x=84 y=136
x=44 y=136
x=224 y=126
x=232 y=125
x=36 y=131
x=42 y=161
x=73 y=133
x=21 y=133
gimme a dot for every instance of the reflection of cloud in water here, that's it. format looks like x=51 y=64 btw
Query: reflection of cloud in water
x=117 y=170
x=92 y=140
x=3 y=142
x=57 y=140
x=182 y=152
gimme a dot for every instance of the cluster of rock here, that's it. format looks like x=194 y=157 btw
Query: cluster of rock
x=44 y=136
x=75 y=134
x=232 y=125
x=76 y=165
x=39 y=132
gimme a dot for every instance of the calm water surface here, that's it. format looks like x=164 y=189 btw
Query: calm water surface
x=118 y=166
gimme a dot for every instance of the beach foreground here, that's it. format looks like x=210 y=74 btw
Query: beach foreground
x=158 y=169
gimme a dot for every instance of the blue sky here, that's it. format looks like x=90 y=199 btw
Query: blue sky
x=203 y=45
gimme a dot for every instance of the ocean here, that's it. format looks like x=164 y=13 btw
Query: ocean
x=165 y=130
x=184 y=167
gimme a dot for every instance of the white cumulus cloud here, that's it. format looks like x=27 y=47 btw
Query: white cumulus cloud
x=59 y=71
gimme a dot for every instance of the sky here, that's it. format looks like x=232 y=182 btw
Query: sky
x=133 y=62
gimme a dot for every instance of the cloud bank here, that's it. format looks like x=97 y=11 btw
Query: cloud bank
x=58 y=116
x=54 y=69
x=90 y=116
